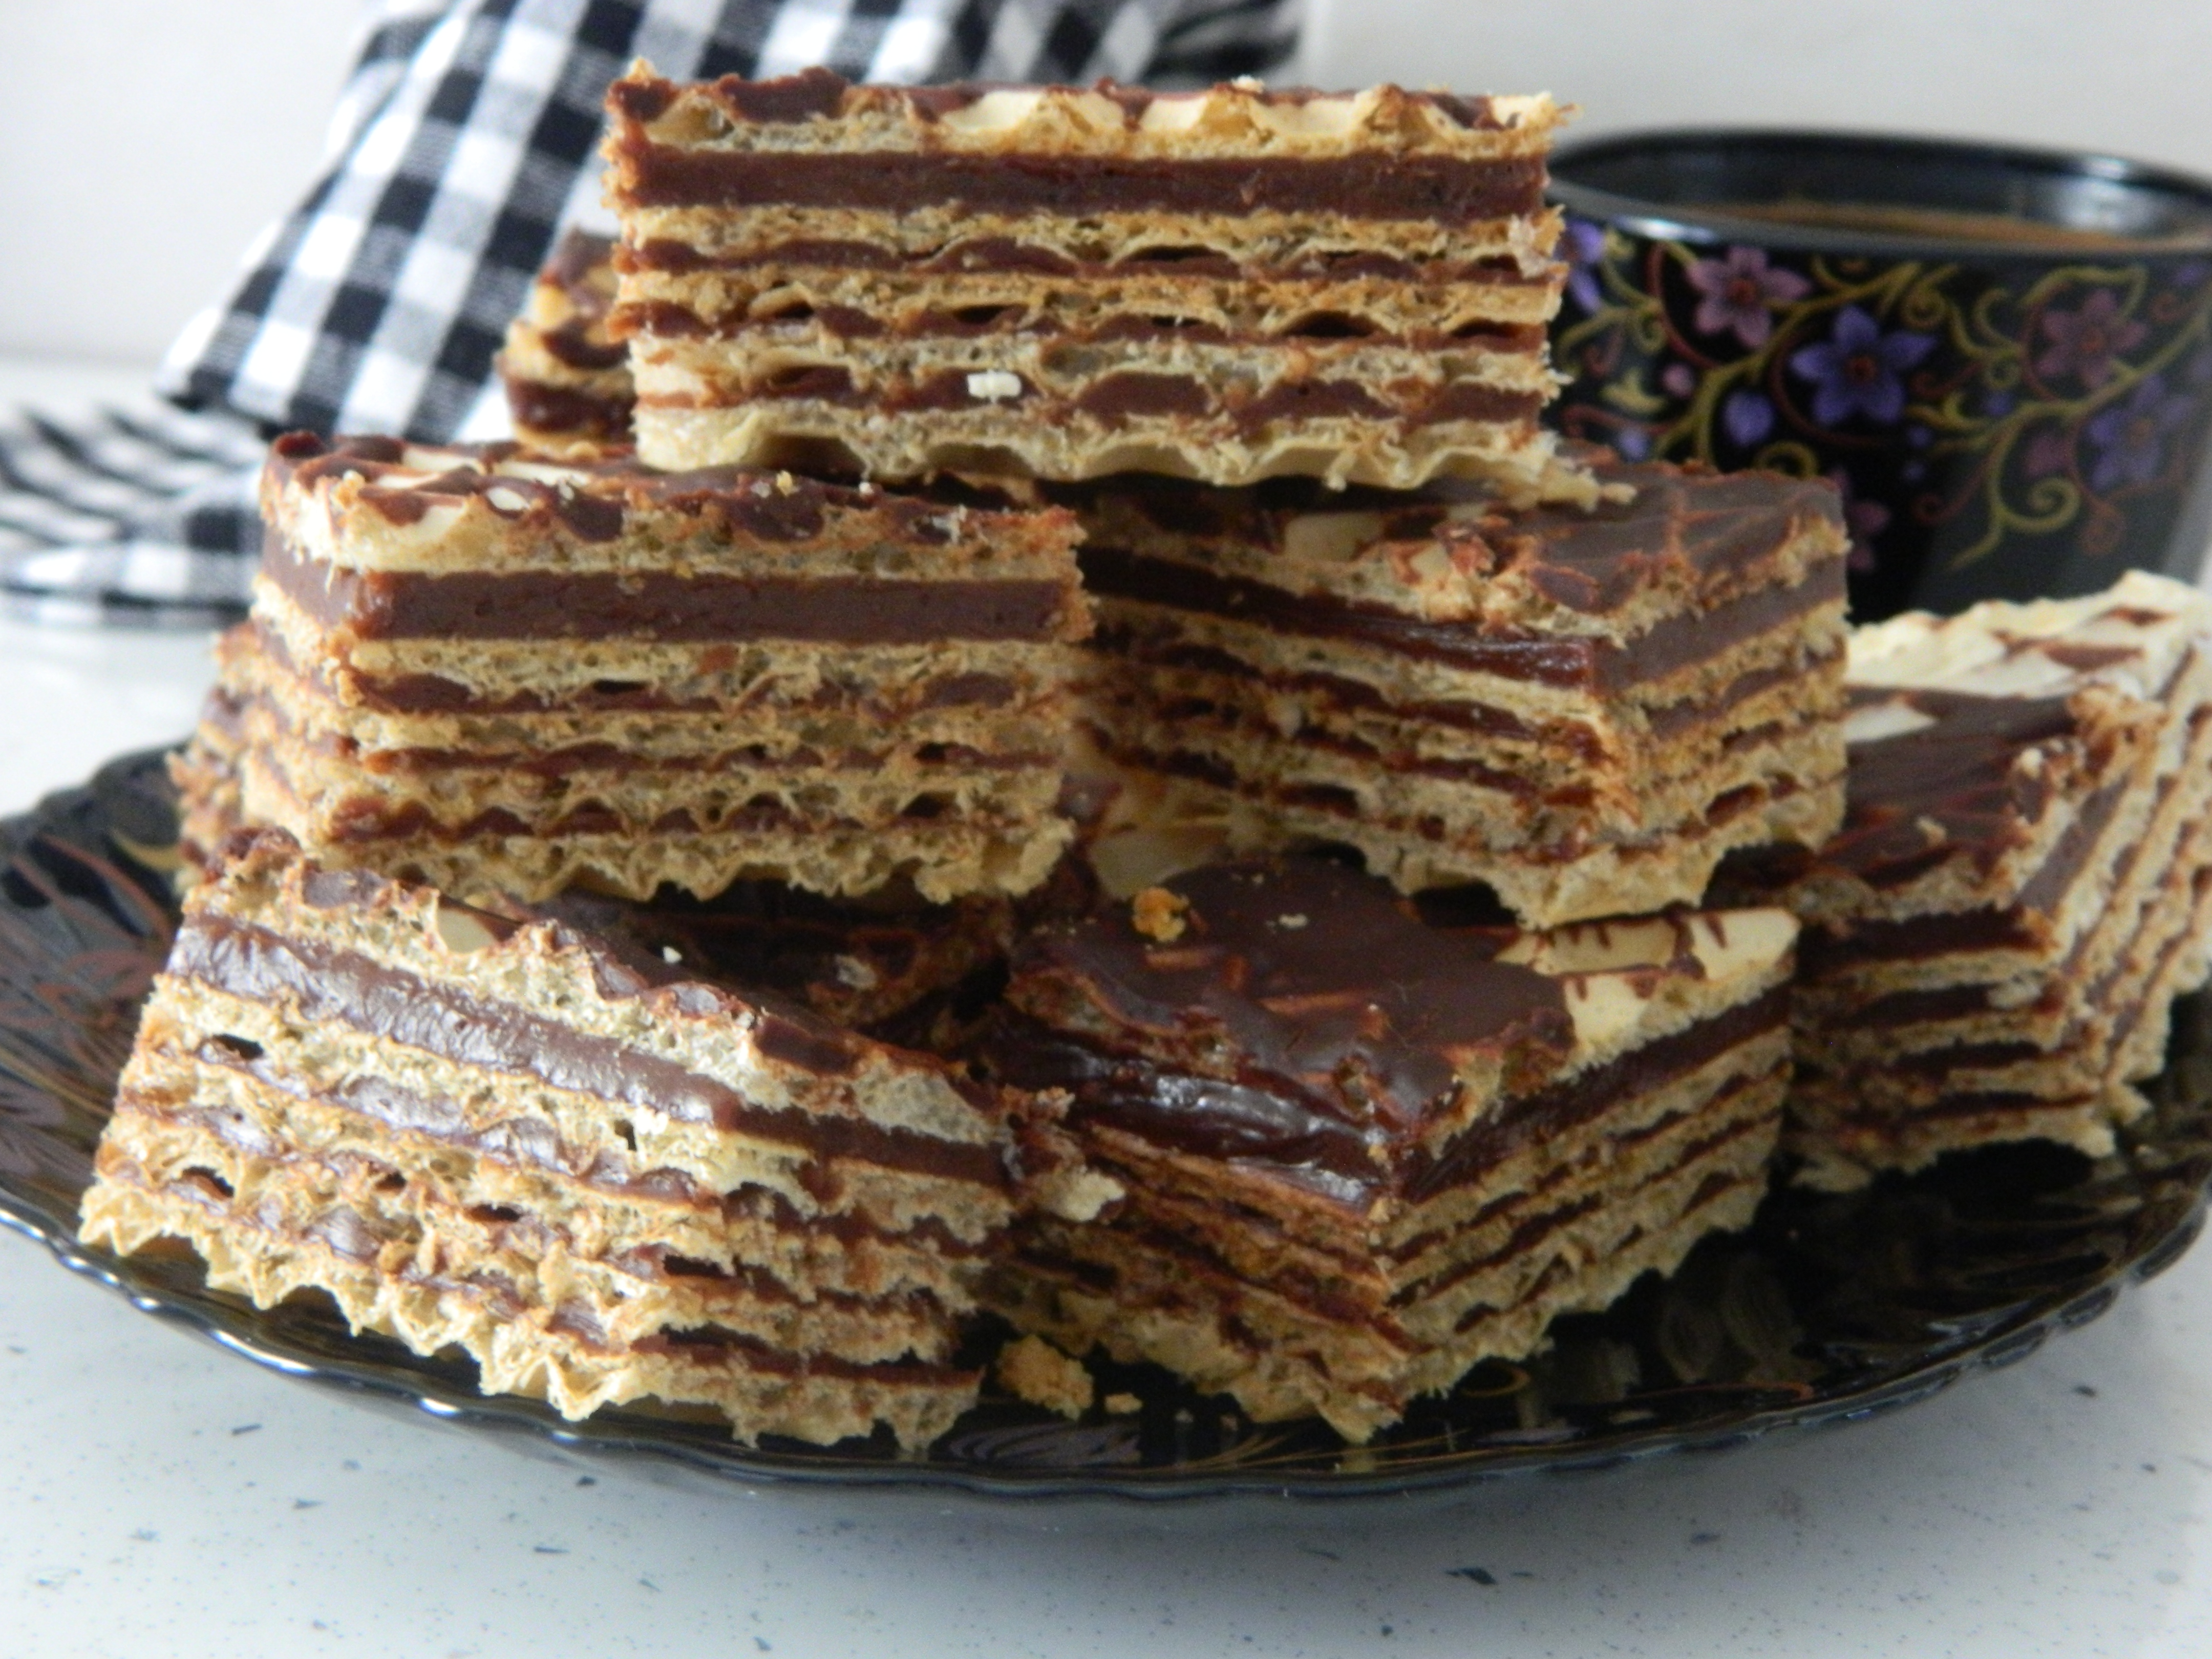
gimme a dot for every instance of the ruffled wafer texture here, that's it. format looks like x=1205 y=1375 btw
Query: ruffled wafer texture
x=1065 y=283
x=1361 y=1153
x=604 y=1183
x=1584 y=711
x=2021 y=886
x=497 y=673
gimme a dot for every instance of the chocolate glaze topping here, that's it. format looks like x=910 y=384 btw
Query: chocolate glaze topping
x=577 y=261
x=852 y=961
x=818 y=93
x=582 y=269
x=1686 y=525
x=323 y=983
x=769 y=505
x=1563 y=659
x=1305 y=1000
x=1959 y=774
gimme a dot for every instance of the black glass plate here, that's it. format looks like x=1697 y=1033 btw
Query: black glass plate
x=1828 y=1308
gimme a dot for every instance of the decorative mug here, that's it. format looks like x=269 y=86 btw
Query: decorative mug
x=2004 y=357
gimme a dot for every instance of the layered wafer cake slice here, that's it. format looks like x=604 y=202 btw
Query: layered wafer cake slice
x=1360 y=1150
x=2021 y=886
x=1583 y=709
x=602 y=1177
x=493 y=672
x=1064 y=282
x=566 y=377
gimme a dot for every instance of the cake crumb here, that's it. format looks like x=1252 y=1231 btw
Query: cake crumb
x=1122 y=1405
x=992 y=385
x=1040 y=1373
x=1078 y=1194
x=1159 y=914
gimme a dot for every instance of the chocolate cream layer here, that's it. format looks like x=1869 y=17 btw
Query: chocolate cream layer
x=1360 y=1294
x=1129 y=395
x=542 y=407
x=662 y=605
x=1428 y=189
x=1017 y=322
x=670 y=1202
x=996 y=254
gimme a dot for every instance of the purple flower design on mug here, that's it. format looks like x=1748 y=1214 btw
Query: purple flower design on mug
x=2084 y=342
x=1585 y=250
x=1864 y=518
x=1858 y=369
x=1747 y=418
x=1740 y=290
x=2130 y=437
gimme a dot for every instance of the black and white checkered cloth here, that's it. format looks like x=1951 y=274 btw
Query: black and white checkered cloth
x=465 y=140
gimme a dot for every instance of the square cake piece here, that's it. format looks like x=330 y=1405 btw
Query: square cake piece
x=566 y=377
x=2021 y=888
x=1361 y=1151
x=604 y=1177
x=495 y=672
x=1584 y=710
x=1063 y=283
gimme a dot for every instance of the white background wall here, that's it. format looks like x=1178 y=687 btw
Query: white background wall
x=2129 y=76
x=144 y=143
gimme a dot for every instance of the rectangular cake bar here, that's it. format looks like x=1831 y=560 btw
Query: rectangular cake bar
x=495 y=672
x=2021 y=888
x=1360 y=1151
x=1064 y=282
x=603 y=1177
x=566 y=377
x=1584 y=710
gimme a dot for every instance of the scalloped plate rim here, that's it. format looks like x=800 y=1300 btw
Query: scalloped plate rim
x=2004 y=1344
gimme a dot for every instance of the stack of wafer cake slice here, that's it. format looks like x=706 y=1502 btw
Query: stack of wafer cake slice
x=2023 y=885
x=1583 y=709
x=1229 y=284
x=484 y=670
x=601 y=1176
x=1363 y=1151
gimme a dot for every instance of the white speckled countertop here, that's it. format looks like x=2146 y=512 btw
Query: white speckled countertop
x=160 y=1497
